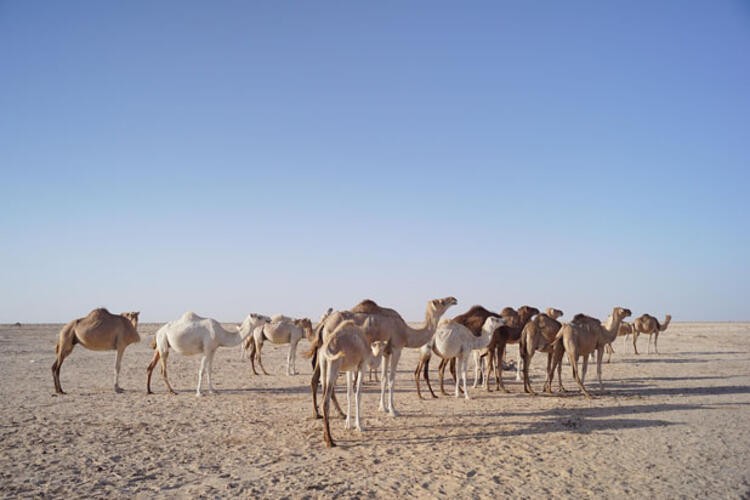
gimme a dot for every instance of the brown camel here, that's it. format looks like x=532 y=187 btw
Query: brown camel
x=539 y=335
x=584 y=335
x=100 y=330
x=650 y=325
x=507 y=335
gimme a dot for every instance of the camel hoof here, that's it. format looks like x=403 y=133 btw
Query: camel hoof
x=393 y=413
x=198 y=394
x=359 y=429
x=119 y=390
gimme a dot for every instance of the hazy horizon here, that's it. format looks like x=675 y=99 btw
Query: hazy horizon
x=234 y=157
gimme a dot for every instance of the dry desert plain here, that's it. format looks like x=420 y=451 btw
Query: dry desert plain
x=671 y=425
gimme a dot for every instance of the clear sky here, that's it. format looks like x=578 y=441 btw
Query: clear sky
x=283 y=157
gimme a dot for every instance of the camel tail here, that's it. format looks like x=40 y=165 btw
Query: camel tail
x=316 y=341
x=153 y=342
x=66 y=330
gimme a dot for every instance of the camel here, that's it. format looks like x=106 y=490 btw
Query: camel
x=539 y=335
x=100 y=330
x=349 y=350
x=509 y=333
x=392 y=329
x=650 y=325
x=280 y=330
x=192 y=334
x=454 y=340
x=625 y=330
x=584 y=335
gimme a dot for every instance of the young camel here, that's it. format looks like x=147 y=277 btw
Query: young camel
x=280 y=330
x=349 y=350
x=583 y=336
x=539 y=335
x=395 y=332
x=191 y=334
x=650 y=325
x=100 y=330
x=454 y=340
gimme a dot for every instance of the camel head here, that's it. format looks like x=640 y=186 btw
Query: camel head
x=132 y=317
x=525 y=313
x=492 y=323
x=306 y=325
x=511 y=317
x=554 y=313
x=437 y=307
x=251 y=322
x=621 y=313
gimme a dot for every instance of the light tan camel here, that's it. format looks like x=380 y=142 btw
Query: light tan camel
x=192 y=334
x=539 y=335
x=349 y=350
x=391 y=329
x=650 y=325
x=280 y=330
x=584 y=335
x=100 y=330
x=625 y=330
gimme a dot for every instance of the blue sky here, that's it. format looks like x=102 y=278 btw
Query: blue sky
x=229 y=157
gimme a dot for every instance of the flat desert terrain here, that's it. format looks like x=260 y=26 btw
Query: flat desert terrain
x=671 y=425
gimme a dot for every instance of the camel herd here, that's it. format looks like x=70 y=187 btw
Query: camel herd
x=355 y=341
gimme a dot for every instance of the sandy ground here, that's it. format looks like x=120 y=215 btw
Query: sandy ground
x=671 y=425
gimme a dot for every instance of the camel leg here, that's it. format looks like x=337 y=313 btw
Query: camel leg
x=328 y=374
x=560 y=387
x=150 y=369
x=260 y=359
x=293 y=357
x=441 y=375
x=251 y=355
x=499 y=368
x=395 y=355
x=458 y=380
x=210 y=366
x=349 y=384
x=599 y=356
x=526 y=360
x=384 y=380
x=62 y=350
x=635 y=338
x=163 y=358
x=426 y=374
x=573 y=358
x=585 y=368
x=416 y=377
x=314 y=382
x=656 y=339
x=476 y=368
x=518 y=364
x=118 y=363
x=358 y=399
x=201 y=371
x=463 y=360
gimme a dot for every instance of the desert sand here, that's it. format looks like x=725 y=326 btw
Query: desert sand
x=676 y=424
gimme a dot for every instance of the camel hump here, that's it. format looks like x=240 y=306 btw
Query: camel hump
x=191 y=316
x=280 y=318
x=582 y=318
x=367 y=306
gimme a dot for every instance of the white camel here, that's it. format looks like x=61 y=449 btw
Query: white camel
x=192 y=334
x=454 y=340
x=346 y=349
x=280 y=330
